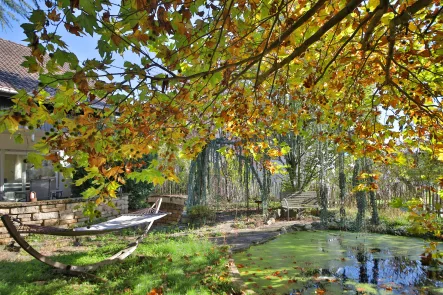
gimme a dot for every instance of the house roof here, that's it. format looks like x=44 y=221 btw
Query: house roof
x=13 y=76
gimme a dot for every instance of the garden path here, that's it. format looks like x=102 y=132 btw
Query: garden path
x=241 y=233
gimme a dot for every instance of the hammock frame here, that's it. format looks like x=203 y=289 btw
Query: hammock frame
x=69 y=268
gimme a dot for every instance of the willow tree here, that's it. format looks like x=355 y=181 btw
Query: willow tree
x=198 y=181
x=205 y=66
x=11 y=9
x=223 y=156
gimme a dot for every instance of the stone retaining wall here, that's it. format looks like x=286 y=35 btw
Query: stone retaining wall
x=170 y=203
x=61 y=213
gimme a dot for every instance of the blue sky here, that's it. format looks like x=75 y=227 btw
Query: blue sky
x=83 y=47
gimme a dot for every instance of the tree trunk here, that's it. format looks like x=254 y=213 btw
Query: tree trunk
x=342 y=186
x=360 y=195
x=323 y=190
x=246 y=181
x=372 y=196
x=298 y=185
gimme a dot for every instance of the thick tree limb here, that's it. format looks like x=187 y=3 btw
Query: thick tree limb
x=379 y=12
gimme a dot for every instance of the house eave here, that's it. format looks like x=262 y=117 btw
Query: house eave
x=7 y=91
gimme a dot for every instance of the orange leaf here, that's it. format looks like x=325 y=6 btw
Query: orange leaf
x=112 y=172
x=155 y=291
x=53 y=15
x=116 y=39
x=52 y=157
x=96 y=161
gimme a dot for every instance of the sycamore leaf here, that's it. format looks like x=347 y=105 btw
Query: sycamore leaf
x=35 y=159
x=11 y=124
x=53 y=15
x=92 y=173
x=18 y=138
x=42 y=147
x=90 y=192
x=97 y=161
x=111 y=188
x=148 y=175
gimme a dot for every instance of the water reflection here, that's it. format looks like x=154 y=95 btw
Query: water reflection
x=395 y=270
x=340 y=263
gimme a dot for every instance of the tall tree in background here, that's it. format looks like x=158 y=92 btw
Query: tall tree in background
x=372 y=189
x=342 y=187
x=9 y=9
x=359 y=193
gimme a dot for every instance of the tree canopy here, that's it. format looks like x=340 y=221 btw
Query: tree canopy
x=245 y=70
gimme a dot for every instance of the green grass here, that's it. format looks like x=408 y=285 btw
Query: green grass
x=390 y=216
x=184 y=265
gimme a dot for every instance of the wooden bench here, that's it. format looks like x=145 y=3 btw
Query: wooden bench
x=299 y=200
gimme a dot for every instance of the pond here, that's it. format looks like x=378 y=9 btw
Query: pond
x=331 y=262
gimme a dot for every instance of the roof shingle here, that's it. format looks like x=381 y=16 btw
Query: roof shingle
x=13 y=76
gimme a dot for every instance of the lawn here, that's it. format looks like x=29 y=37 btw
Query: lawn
x=180 y=265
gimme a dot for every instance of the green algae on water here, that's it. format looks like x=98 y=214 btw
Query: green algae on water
x=339 y=263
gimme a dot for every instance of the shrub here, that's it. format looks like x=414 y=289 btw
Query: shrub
x=138 y=193
x=200 y=214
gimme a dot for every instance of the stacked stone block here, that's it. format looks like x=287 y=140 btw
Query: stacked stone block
x=60 y=213
x=173 y=204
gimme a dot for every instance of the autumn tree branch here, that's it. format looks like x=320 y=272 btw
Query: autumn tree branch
x=379 y=12
x=401 y=19
x=311 y=40
x=364 y=21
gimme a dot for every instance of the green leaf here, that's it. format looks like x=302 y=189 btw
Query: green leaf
x=88 y=22
x=396 y=203
x=11 y=124
x=104 y=49
x=112 y=187
x=215 y=79
x=89 y=6
x=2 y=126
x=38 y=17
x=93 y=173
x=81 y=158
x=148 y=175
x=90 y=192
x=42 y=147
x=18 y=138
x=35 y=159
